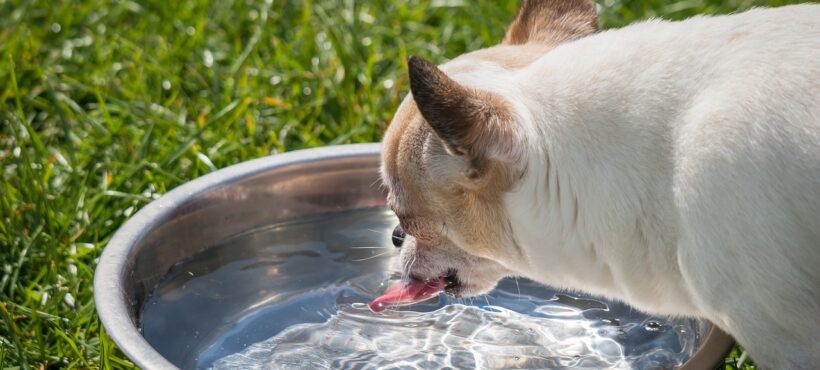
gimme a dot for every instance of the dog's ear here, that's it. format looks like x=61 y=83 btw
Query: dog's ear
x=552 y=22
x=470 y=122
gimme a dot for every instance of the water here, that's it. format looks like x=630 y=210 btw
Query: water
x=292 y=296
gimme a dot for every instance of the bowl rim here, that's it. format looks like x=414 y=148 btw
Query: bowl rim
x=109 y=290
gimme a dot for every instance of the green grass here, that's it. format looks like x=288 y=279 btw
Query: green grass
x=105 y=105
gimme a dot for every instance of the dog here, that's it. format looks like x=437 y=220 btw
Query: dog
x=671 y=165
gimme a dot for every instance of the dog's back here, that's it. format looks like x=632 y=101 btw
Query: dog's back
x=747 y=186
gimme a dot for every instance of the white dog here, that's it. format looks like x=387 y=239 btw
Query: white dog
x=671 y=165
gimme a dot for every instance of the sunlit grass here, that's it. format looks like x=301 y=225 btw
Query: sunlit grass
x=105 y=105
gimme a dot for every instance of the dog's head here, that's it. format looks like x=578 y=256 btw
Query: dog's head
x=455 y=147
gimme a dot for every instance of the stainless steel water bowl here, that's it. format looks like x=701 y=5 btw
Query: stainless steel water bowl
x=211 y=209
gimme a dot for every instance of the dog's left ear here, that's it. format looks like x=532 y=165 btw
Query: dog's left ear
x=470 y=122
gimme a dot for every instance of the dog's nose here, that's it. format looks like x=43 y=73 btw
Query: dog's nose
x=398 y=236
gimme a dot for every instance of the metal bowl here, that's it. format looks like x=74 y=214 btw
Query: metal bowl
x=213 y=208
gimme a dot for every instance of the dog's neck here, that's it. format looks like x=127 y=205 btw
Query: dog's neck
x=595 y=209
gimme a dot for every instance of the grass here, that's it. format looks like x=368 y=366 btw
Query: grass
x=106 y=105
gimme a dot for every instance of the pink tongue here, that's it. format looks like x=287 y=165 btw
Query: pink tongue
x=403 y=293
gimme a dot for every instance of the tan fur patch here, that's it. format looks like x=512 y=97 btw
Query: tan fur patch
x=428 y=199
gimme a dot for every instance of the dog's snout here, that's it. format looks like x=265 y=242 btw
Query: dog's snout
x=398 y=236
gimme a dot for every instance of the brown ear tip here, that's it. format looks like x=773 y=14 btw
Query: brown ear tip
x=415 y=63
x=419 y=69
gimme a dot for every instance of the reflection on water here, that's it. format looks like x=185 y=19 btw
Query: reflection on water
x=292 y=296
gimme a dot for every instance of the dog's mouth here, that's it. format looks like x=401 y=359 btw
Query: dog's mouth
x=453 y=284
x=415 y=290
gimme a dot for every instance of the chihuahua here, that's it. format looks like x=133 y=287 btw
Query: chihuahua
x=671 y=165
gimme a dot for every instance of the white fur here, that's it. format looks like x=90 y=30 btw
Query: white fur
x=676 y=166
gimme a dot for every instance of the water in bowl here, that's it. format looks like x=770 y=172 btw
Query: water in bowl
x=292 y=296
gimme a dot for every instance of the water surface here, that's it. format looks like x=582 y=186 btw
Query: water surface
x=292 y=296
